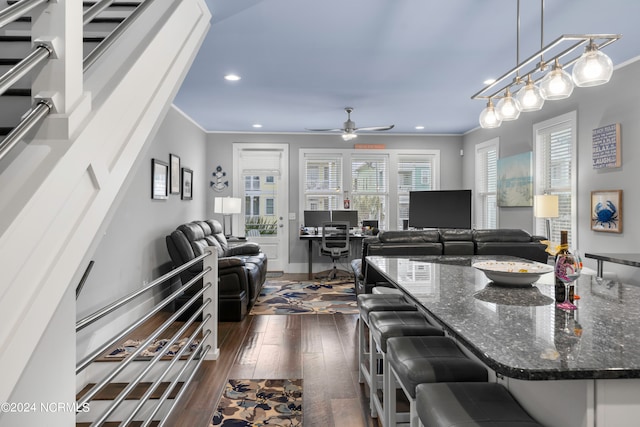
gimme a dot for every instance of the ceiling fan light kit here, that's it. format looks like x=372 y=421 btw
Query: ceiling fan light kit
x=592 y=68
x=349 y=128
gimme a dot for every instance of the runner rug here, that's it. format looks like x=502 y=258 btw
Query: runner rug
x=154 y=348
x=300 y=297
x=260 y=402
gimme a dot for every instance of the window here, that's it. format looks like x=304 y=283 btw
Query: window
x=415 y=173
x=555 y=172
x=269 y=208
x=252 y=205
x=252 y=183
x=377 y=182
x=322 y=182
x=369 y=186
x=486 y=180
x=269 y=179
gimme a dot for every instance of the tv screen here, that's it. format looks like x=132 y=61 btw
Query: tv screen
x=316 y=218
x=440 y=209
x=349 y=216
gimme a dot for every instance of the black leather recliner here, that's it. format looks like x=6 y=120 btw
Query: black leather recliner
x=242 y=268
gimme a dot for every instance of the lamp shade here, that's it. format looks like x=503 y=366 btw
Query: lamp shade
x=227 y=205
x=593 y=68
x=545 y=206
x=489 y=117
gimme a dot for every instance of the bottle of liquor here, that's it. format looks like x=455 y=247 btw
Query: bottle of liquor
x=564 y=249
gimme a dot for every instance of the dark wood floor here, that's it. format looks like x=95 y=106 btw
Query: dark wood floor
x=320 y=349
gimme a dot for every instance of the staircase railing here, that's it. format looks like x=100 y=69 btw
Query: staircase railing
x=44 y=51
x=206 y=301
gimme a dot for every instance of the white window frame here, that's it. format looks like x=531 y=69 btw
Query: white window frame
x=570 y=119
x=391 y=215
x=480 y=176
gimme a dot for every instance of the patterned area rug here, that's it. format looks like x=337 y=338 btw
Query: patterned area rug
x=130 y=346
x=247 y=403
x=295 y=297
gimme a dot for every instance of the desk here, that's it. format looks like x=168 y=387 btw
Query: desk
x=626 y=259
x=318 y=238
x=562 y=378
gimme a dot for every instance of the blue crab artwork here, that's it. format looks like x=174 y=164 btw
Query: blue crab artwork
x=605 y=215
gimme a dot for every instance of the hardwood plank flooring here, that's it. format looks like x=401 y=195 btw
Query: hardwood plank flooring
x=319 y=348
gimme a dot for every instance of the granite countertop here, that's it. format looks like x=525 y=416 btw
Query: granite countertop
x=518 y=332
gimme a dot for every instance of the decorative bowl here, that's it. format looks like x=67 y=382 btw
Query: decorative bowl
x=513 y=273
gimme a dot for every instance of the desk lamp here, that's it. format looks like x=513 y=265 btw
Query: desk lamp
x=227 y=206
x=546 y=206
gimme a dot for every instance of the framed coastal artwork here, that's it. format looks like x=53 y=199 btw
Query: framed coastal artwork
x=515 y=180
x=174 y=177
x=159 y=179
x=187 y=184
x=606 y=211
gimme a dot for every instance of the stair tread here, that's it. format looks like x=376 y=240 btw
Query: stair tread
x=112 y=390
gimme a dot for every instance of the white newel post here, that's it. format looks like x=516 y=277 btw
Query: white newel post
x=212 y=292
x=59 y=25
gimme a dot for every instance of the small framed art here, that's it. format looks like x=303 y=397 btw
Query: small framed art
x=187 y=184
x=606 y=211
x=174 y=176
x=159 y=179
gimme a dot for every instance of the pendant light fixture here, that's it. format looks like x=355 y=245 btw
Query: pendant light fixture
x=529 y=96
x=557 y=84
x=489 y=117
x=593 y=68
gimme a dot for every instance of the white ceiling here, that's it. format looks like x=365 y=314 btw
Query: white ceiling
x=402 y=62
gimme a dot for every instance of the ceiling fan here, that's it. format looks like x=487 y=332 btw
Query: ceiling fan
x=349 y=128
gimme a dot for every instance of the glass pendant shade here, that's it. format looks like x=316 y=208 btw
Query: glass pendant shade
x=489 y=117
x=508 y=107
x=593 y=68
x=557 y=84
x=529 y=97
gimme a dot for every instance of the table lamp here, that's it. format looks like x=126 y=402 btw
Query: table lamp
x=546 y=206
x=227 y=206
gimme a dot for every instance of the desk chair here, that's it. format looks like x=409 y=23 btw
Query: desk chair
x=335 y=243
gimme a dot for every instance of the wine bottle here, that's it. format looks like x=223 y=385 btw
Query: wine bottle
x=564 y=249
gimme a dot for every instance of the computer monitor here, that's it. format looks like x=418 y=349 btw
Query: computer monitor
x=371 y=223
x=349 y=216
x=316 y=218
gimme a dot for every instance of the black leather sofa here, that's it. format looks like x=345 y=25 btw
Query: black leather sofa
x=242 y=267
x=449 y=242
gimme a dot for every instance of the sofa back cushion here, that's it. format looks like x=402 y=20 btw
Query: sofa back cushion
x=218 y=233
x=502 y=235
x=409 y=236
x=456 y=234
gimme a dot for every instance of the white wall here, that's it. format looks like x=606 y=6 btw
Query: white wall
x=615 y=102
x=131 y=249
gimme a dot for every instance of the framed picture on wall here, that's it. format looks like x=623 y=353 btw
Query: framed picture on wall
x=174 y=177
x=159 y=179
x=187 y=184
x=606 y=211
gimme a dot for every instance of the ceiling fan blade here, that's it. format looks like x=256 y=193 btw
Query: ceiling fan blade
x=325 y=130
x=377 y=128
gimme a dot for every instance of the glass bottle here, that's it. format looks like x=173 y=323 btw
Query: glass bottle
x=564 y=249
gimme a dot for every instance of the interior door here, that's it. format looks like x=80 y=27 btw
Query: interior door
x=261 y=175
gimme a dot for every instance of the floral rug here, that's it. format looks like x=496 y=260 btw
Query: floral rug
x=130 y=346
x=246 y=403
x=295 y=297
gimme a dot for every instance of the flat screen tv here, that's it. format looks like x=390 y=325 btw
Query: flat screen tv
x=440 y=209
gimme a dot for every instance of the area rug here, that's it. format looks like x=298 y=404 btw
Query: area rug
x=296 y=297
x=154 y=348
x=261 y=402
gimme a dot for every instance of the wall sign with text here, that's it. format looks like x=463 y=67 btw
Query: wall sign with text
x=606 y=145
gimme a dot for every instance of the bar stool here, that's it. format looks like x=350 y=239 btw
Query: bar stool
x=382 y=326
x=417 y=360
x=366 y=304
x=466 y=404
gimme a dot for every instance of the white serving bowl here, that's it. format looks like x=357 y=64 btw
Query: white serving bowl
x=513 y=273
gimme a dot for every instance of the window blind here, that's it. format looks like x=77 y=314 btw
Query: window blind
x=415 y=173
x=486 y=184
x=322 y=182
x=370 y=186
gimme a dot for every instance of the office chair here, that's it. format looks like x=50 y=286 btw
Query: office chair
x=335 y=243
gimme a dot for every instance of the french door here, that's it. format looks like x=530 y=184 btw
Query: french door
x=261 y=177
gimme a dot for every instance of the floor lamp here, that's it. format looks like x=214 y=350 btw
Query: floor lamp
x=546 y=206
x=227 y=206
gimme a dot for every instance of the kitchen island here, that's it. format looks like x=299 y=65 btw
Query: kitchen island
x=567 y=369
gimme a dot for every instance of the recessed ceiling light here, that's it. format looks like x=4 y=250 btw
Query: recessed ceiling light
x=419 y=127
x=257 y=125
x=489 y=81
x=232 y=77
